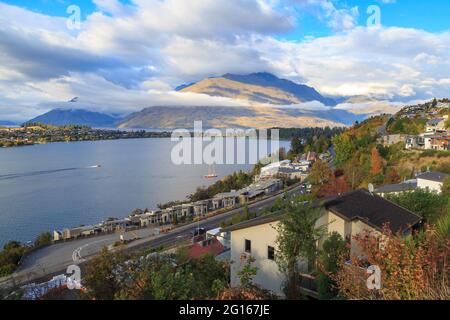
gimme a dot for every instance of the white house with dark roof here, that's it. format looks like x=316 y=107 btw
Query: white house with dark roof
x=406 y=186
x=348 y=215
x=436 y=125
x=432 y=181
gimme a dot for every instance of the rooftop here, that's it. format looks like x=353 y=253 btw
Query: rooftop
x=356 y=205
x=372 y=210
x=434 y=122
x=210 y=246
x=398 y=187
x=433 y=176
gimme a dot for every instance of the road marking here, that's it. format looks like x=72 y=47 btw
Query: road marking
x=76 y=255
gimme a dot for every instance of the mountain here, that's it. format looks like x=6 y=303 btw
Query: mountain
x=7 y=123
x=172 y=117
x=61 y=117
x=261 y=87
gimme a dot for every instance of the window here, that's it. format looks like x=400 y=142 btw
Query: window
x=248 y=246
x=270 y=253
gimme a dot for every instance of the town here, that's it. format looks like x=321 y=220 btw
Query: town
x=270 y=181
x=30 y=134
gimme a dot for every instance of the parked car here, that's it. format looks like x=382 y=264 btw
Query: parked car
x=198 y=232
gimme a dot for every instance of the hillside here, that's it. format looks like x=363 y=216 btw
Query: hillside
x=412 y=119
x=258 y=88
x=243 y=117
x=61 y=117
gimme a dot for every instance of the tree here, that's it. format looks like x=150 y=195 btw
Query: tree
x=43 y=239
x=333 y=249
x=247 y=273
x=10 y=256
x=376 y=162
x=335 y=186
x=427 y=204
x=446 y=187
x=343 y=148
x=296 y=241
x=392 y=177
x=411 y=268
x=102 y=277
x=320 y=173
x=296 y=145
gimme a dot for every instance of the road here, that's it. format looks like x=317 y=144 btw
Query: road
x=56 y=258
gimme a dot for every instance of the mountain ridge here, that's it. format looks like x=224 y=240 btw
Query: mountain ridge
x=60 y=117
x=259 y=87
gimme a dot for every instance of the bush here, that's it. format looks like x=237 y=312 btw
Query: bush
x=43 y=239
x=427 y=204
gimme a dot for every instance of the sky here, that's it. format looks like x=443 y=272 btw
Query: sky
x=123 y=56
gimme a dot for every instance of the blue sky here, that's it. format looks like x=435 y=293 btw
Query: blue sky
x=131 y=54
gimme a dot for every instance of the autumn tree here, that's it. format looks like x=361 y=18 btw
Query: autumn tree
x=335 y=186
x=376 y=162
x=392 y=176
x=412 y=268
x=320 y=173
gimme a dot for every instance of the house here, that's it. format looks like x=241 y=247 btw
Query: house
x=436 y=125
x=166 y=216
x=272 y=169
x=415 y=142
x=389 y=140
x=77 y=232
x=291 y=173
x=177 y=211
x=150 y=218
x=57 y=235
x=432 y=181
x=440 y=143
x=302 y=165
x=187 y=210
x=208 y=246
x=135 y=220
x=201 y=207
x=348 y=215
x=225 y=199
x=258 y=189
x=409 y=185
x=112 y=225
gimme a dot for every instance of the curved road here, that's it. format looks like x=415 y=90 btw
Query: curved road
x=56 y=258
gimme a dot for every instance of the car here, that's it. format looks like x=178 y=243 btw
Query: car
x=198 y=232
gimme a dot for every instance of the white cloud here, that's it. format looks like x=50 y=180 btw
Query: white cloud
x=127 y=57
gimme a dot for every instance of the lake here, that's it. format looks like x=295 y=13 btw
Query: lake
x=54 y=186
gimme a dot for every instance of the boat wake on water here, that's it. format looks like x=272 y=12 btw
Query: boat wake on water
x=38 y=173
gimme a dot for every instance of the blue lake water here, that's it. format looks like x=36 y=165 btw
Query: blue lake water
x=53 y=186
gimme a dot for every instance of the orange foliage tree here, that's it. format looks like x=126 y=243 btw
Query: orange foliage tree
x=392 y=176
x=377 y=162
x=412 y=268
x=335 y=186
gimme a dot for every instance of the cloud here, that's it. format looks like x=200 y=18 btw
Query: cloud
x=129 y=56
x=338 y=19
